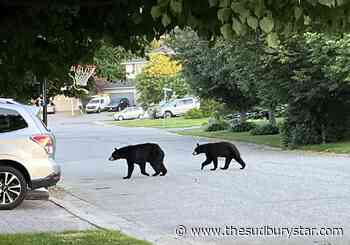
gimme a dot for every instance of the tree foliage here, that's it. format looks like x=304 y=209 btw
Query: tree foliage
x=160 y=72
x=224 y=72
x=161 y=65
x=150 y=88
x=232 y=18
x=319 y=93
x=108 y=60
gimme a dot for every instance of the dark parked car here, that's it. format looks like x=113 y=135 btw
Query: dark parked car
x=115 y=107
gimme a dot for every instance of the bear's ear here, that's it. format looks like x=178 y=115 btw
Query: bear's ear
x=115 y=149
x=197 y=144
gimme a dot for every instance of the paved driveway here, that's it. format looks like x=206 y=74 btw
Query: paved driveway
x=284 y=189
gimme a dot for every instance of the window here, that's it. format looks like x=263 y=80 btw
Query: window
x=102 y=101
x=11 y=120
x=188 y=101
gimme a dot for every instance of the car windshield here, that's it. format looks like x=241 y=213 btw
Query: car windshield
x=94 y=101
x=170 y=103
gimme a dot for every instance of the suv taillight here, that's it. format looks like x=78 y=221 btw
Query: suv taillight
x=45 y=141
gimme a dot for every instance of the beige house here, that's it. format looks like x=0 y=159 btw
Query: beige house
x=63 y=103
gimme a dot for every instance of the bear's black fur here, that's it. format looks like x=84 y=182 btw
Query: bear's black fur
x=140 y=154
x=219 y=149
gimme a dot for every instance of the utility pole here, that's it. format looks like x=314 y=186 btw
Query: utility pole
x=44 y=103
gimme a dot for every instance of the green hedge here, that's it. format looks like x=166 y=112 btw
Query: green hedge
x=216 y=125
x=194 y=114
x=243 y=127
x=267 y=129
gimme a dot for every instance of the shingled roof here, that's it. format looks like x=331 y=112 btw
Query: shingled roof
x=120 y=84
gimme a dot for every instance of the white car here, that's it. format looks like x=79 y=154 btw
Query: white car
x=129 y=113
x=27 y=152
x=98 y=104
x=178 y=107
x=51 y=109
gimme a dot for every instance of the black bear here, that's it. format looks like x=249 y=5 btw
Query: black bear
x=140 y=154
x=219 y=149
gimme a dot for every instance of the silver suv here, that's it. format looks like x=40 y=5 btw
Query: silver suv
x=178 y=107
x=27 y=151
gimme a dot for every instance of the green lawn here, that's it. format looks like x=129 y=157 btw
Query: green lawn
x=270 y=140
x=339 y=147
x=175 y=122
x=97 y=237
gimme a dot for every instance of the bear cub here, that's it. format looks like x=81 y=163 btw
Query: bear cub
x=219 y=149
x=140 y=154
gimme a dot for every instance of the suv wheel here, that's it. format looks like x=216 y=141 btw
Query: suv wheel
x=13 y=187
x=120 y=118
x=168 y=114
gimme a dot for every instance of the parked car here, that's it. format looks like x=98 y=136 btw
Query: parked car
x=178 y=107
x=9 y=101
x=51 y=109
x=27 y=153
x=98 y=104
x=121 y=105
x=129 y=113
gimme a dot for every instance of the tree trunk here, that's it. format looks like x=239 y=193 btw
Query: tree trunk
x=272 y=118
x=243 y=116
x=324 y=134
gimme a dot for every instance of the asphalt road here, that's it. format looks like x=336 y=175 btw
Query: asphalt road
x=277 y=188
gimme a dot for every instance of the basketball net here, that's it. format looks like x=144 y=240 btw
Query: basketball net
x=80 y=75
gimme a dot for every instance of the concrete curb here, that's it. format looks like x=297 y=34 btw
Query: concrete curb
x=109 y=221
x=39 y=194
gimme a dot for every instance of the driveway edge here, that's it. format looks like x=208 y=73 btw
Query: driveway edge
x=102 y=220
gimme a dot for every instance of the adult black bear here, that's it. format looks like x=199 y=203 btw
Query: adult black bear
x=220 y=149
x=140 y=154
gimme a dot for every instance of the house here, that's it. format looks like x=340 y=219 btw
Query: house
x=121 y=89
x=134 y=67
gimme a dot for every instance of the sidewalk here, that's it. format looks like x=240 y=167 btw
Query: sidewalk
x=39 y=216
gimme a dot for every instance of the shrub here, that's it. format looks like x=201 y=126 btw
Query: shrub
x=216 y=125
x=208 y=107
x=194 y=114
x=243 y=127
x=267 y=129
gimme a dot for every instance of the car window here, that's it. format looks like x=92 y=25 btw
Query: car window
x=11 y=120
x=179 y=102
x=96 y=101
x=187 y=101
x=102 y=101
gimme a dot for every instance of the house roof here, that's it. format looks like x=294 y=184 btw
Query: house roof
x=120 y=84
x=135 y=61
x=164 y=50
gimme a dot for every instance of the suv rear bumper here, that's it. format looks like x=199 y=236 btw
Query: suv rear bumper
x=48 y=181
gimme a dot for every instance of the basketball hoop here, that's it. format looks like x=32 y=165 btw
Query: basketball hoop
x=81 y=74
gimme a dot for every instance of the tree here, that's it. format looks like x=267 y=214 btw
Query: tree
x=224 y=72
x=50 y=36
x=161 y=72
x=318 y=93
x=232 y=18
x=108 y=60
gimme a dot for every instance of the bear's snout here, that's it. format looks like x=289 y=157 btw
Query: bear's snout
x=194 y=153
x=111 y=158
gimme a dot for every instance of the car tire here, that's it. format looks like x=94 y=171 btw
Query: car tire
x=120 y=118
x=168 y=114
x=13 y=192
x=99 y=110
